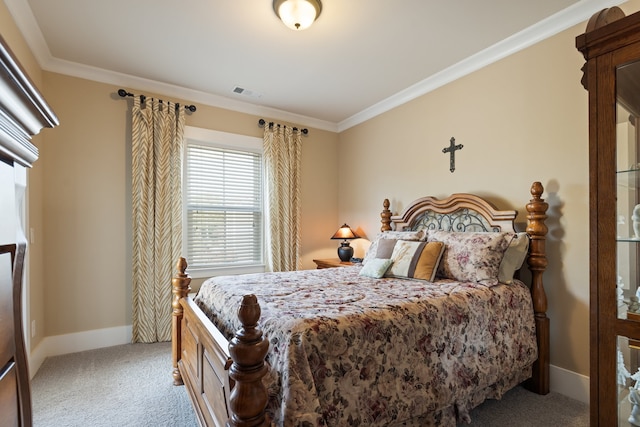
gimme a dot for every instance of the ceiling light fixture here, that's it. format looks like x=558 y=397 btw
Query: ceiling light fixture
x=297 y=14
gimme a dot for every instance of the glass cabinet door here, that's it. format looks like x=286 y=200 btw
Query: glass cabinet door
x=611 y=75
x=628 y=238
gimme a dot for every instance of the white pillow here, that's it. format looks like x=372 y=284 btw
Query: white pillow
x=376 y=267
x=513 y=258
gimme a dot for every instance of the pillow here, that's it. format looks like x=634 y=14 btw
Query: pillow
x=404 y=235
x=473 y=256
x=392 y=235
x=385 y=248
x=375 y=268
x=513 y=257
x=416 y=260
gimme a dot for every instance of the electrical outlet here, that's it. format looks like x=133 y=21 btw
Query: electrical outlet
x=33 y=328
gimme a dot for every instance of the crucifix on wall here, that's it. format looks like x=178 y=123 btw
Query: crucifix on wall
x=451 y=149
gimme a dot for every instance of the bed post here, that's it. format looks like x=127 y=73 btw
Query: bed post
x=537 y=260
x=181 y=287
x=385 y=216
x=247 y=349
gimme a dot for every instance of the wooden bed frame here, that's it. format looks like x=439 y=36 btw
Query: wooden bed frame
x=223 y=378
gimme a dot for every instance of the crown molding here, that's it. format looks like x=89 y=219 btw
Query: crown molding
x=193 y=96
x=573 y=15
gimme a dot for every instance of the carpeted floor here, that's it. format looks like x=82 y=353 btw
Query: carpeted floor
x=127 y=385
x=131 y=385
x=521 y=408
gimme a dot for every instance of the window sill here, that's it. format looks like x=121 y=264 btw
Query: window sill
x=203 y=273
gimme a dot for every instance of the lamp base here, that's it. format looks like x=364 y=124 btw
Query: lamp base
x=345 y=252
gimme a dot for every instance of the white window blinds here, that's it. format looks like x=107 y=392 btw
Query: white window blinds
x=223 y=198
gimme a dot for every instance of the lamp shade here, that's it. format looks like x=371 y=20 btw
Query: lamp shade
x=345 y=232
x=297 y=14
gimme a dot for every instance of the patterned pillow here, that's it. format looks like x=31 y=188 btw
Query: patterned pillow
x=404 y=235
x=393 y=235
x=416 y=260
x=375 y=268
x=471 y=257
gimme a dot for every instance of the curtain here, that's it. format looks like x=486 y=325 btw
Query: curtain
x=157 y=138
x=282 y=153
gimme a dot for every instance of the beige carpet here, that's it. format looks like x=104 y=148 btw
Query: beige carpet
x=127 y=385
x=131 y=385
x=521 y=408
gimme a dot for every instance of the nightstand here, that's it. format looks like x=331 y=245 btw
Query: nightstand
x=331 y=262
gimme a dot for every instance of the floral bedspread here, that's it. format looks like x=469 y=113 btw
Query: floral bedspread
x=350 y=350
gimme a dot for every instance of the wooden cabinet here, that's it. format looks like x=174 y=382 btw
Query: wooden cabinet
x=611 y=47
x=331 y=262
x=23 y=113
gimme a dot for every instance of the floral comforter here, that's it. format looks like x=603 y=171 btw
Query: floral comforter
x=350 y=350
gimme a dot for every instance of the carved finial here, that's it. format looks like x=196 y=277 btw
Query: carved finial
x=386 y=216
x=537 y=214
x=249 y=314
x=247 y=349
x=181 y=283
x=536 y=190
x=181 y=266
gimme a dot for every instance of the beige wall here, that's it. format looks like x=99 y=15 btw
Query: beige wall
x=87 y=200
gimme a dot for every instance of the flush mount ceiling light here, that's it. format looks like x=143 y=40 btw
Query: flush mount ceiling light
x=297 y=14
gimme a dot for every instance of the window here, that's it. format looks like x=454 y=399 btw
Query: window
x=223 y=203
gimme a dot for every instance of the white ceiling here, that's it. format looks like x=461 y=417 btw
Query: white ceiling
x=360 y=58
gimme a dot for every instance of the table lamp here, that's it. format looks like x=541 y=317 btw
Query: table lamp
x=345 y=252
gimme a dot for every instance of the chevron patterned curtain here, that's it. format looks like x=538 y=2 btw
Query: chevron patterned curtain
x=157 y=138
x=282 y=153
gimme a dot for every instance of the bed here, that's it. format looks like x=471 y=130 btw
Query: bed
x=421 y=343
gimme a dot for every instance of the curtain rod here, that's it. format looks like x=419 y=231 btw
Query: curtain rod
x=261 y=123
x=124 y=93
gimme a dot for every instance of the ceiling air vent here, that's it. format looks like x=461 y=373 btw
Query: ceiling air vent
x=246 y=92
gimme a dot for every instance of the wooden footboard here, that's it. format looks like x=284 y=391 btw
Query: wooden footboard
x=223 y=379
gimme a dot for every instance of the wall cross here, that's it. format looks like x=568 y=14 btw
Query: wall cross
x=451 y=149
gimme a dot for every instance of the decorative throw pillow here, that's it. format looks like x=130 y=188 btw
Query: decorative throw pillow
x=372 y=252
x=375 y=268
x=416 y=260
x=471 y=257
x=513 y=258
x=385 y=248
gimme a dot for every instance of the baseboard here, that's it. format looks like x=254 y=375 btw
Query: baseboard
x=569 y=383
x=73 y=343
x=563 y=381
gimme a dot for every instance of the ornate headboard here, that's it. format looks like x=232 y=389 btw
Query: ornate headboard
x=458 y=212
